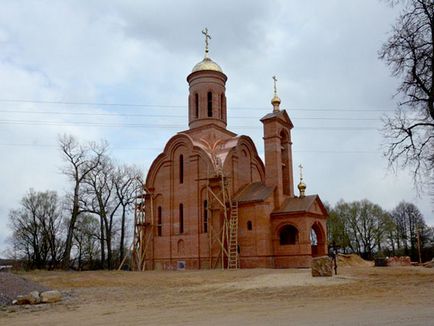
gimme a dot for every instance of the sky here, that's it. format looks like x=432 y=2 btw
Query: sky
x=116 y=70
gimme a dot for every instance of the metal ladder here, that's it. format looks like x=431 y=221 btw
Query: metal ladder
x=233 y=237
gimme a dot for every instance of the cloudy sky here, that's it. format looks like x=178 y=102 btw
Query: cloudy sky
x=117 y=70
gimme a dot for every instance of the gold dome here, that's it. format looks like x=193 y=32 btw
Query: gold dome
x=301 y=186
x=275 y=100
x=207 y=64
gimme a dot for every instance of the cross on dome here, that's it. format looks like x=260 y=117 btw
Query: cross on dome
x=301 y=186
x=275 y=100
x=301 y=171
x=275 y=88
x=207 y=36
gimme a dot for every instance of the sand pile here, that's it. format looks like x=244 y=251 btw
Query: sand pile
x=351 y=260
x=12 y=285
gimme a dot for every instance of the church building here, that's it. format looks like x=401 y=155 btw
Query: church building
x=212 y=202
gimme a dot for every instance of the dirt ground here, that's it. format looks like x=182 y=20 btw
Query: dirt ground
x=362 y=295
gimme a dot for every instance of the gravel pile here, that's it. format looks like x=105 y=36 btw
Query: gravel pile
x=12 y=285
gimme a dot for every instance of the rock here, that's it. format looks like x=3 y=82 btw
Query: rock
x=34 y=297
x=22 y=299
x=429 y=264
x=399 y=261
x=322 y=266
x=51 y=296
x=31 y=298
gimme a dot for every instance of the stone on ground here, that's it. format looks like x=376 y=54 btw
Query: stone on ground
x=322 y=266
x=34 y=297
x=429 y=264
x=51 y=296
x=399 y=261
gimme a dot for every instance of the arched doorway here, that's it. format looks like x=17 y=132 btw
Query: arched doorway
x=317 y=240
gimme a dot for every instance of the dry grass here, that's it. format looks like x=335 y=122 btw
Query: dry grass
x=364 y=294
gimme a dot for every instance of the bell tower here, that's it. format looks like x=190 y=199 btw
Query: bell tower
x=278 y=151
x=207 y=99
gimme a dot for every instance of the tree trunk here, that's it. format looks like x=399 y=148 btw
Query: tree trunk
x=121 y=245
x=102 y=242
x=71 y=227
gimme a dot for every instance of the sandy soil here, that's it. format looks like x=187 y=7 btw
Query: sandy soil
x=362 y=295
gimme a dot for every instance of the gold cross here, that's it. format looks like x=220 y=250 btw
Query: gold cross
x=275 y=88
x=207 y=36
x=301 y=171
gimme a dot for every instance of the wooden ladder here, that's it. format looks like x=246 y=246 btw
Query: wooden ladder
x=233 y=237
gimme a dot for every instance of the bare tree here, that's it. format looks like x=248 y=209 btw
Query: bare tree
x=362 y=226
x=37 y=229
x=81 y=160
x=128 y=182
x=409 y=224
x=409 y=52
x=86 y=238
x=337 y=233
x=99 y=198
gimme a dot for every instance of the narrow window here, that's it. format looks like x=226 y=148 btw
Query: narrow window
x=196 y=105
x=181 y=218
x=222 y=104
x=209 y=104
x=249 y=225
x=159 y=222
x=181 y=169
x=205 y=216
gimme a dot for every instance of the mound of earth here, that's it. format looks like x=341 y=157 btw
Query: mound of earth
x=12 y=285
x=351 y=260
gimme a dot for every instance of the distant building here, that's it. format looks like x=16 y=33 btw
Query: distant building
x=210 y=200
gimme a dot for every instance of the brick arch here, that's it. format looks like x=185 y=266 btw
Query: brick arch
x=318 y=249
x=180 y=247
x=172 y=146
x=284 y=134
x=279 y=228
x=246 y=143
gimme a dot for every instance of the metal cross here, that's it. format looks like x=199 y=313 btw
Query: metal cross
x=275 y=88
x=207 y=36
x=301 y=171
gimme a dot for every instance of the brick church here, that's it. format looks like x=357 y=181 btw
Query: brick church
x=212 y=202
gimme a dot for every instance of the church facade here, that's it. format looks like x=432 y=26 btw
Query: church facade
x=212 y=202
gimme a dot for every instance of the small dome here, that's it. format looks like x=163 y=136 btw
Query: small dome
x=275 y=100
x=301 y=186
x=207 y=64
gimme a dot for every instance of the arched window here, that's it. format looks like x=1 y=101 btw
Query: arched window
x=249 y=225
x=181 y=169
x=180 y=247
x=159 y=222
x=284 y=143
x=288 y=235
x=209 y=104
x=196 y=105
x=181 y=218
x=205 y=216
x=222 y=104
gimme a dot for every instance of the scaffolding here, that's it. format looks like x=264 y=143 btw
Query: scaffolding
x=143 y=234
x=223 y=237
x=222 y=227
